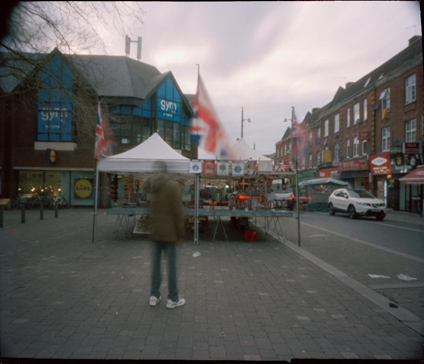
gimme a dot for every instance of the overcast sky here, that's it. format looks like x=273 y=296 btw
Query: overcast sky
x=269 y=56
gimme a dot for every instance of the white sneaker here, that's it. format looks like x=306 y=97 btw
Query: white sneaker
x=154 y=301
x=172 y=304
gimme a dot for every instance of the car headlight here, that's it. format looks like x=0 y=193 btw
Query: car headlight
x=362 y=203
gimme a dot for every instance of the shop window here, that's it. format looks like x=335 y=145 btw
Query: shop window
x=55 y=102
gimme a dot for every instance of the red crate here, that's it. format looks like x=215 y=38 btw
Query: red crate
x=250 y=235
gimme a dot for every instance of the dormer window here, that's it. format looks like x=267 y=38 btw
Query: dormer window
x=367 y=82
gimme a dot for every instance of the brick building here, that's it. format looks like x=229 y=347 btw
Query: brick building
x=50 y=109
x=371 y=133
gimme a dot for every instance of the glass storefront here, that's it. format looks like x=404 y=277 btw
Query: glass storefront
x=76 y=186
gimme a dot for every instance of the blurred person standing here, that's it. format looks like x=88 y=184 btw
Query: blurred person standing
x=168 y=230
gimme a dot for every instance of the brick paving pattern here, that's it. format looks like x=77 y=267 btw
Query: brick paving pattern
x=65 y=297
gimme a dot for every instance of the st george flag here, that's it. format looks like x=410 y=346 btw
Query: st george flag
x=298 y=136
x=103 y=147
x=206 y=128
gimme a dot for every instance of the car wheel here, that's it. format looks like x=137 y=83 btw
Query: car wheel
x=380 y=217
x=331 y=208
x=352 y=212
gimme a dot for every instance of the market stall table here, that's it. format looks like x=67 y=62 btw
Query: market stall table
x=271 y=217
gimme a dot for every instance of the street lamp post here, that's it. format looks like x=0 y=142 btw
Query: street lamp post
x=297 y=182
x=242 y=120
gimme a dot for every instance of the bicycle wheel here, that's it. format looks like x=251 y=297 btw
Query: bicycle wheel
x=13 y=205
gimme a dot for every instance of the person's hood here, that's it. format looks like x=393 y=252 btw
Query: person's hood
x=159 y=181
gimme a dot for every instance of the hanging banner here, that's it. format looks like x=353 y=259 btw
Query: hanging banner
x=209 y=168
x=195 y=167
x=222 y=168
x=252 y=168
x=238 y=169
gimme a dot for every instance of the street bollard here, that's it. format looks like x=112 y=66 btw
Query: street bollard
x=56 y=209
x=41 y=211
x=23 y=214
x=1 y=216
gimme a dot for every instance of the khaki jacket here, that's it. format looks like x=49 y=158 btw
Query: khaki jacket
x=167 y=211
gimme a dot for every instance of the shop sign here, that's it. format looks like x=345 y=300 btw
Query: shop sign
x=209 y=168
x=168 y=109
x=403 y=163
x=238 y=169
x=326 y=156
x=307 y=175
x=363 y=135
x=252 y=168
x=50 y=156
x=195 y=167
x=356 y=165
x=412 y=147
x=380 y=164
x=83 y=188
x=222 y=168
x=328 y=173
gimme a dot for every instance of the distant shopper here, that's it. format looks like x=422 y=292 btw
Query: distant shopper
x=168 y=230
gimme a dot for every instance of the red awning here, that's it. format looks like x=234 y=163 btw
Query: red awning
x=416 y=177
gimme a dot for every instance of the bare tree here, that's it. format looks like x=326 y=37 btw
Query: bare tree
x=36 y=28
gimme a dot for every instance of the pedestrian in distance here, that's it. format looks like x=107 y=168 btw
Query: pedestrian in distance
x=168 y=231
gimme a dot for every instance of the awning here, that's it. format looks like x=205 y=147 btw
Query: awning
x=416 y=177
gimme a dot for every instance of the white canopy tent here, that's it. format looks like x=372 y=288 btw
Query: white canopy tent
x=142 y=158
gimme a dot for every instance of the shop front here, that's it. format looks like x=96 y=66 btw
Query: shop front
x=355 y=172
x=77 y=187
x=381 y=175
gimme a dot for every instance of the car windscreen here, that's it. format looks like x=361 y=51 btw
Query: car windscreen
x=359 y=194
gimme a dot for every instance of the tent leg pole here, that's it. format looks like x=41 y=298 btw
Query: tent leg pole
x=196 y=211
x=95 y=207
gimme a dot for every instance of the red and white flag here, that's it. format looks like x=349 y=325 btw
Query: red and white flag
x=104 y=140
x=206 y=128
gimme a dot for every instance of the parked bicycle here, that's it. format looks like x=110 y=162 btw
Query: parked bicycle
x=62 y=202
x=18 y=203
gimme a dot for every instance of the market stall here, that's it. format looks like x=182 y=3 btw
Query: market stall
x=317 y=191
x=415 y=180
x=132 y=171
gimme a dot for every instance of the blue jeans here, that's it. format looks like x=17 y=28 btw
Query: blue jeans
x=170 y=252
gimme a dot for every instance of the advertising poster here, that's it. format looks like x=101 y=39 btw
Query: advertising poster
x=83 y=188
x=238 y=169
x=209 y=168
x=196 y=167
x=252 y=168
x=222 y=168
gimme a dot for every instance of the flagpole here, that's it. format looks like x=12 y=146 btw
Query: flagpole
x=197 y=182
x=95 y=206
x=297 y=186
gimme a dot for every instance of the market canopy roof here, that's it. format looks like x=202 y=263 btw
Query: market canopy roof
x=416 y=177
x=144 y=158
x=243 y=151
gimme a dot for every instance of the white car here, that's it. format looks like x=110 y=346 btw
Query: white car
x=356 y=203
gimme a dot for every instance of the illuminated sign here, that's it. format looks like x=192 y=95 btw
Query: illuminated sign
x=83 y=188
x=380 y=164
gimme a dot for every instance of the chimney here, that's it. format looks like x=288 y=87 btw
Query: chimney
x=413 y=39
x=348 y=85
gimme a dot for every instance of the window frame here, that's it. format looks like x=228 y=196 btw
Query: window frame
x=347 y=147
x=412 y=87
x=385 y=99
x=365 y=109
x=355 y=144
x=356 y=113
x=348 y=117
x=337 y=123
x=326 y=128
x=366 y=143
x=411 y=131
x=385 y=139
